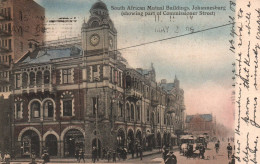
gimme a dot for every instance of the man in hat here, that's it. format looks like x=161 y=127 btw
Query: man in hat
x=171 y=158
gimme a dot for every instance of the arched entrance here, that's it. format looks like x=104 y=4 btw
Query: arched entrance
x=51 y=144
x=130 y=139
x=73 y=140
x=159 y=139
x=120 y=138
x=96 y=143
x=139 y=137
x=30 y=143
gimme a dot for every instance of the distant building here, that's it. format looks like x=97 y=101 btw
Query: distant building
x=200 y=124
x=21 y=28
x=71 y=94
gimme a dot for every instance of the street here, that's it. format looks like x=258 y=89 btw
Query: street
x=210 y=157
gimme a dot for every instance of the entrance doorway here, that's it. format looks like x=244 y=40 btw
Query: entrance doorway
x=30 y=143
x=73 y=140
x=51 y=144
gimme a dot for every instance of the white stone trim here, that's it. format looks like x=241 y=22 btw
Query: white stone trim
x=29 y=107
x=51 y=132
x=28 y=128
x=69 y=128
x=54 y=107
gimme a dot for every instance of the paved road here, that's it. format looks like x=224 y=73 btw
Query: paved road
x=211 y=158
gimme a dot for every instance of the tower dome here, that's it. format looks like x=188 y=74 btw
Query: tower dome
x=99 y=9
x=99 y=6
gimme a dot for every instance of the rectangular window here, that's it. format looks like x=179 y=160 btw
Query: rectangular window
x=18 y=81
x=67 y=107
x=18 y=111
x=10 y=44
x=111 y=71
x=9 y=27
x=9 y=13
x=95 y=104
x=148 y=115
x=66 y=76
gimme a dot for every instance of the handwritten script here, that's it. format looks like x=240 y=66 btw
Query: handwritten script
x=245 y=46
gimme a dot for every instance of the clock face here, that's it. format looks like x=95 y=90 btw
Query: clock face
x=94 y=39
x=110 y=42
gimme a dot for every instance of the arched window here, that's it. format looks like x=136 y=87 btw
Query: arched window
x=158 y=117
x=132 y=112
x=128 y=111
x=35 y=109
x=25 y=80
x=32 y=78
x=48 y=109
x=94 y=24
x=46 y=77
x=138 y=112
x=121 y=109
x=39 y=78
x=128 y=82
x=148 y=115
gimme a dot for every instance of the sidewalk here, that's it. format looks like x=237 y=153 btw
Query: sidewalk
x=73 y=160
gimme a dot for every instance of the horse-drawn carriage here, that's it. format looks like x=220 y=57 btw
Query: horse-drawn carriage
x=188 y=145
x=201 y=141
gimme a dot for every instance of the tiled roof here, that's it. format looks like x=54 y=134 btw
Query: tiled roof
x=206 y=117
x=167 y=87
x=46 y=55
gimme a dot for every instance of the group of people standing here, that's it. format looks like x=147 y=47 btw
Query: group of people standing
x=5 y=158
x=168 y=156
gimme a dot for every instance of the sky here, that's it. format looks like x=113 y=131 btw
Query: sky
x=201 y=61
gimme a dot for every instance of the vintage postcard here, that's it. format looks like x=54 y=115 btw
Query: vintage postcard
x=129 y=81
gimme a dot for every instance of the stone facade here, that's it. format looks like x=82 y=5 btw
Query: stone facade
x=72 y=96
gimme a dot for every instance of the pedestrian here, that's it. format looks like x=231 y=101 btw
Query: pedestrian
x=202 y=151
x=104 y=153
x=217 y=147
x=45 y=157
x=7 y=158
x=114 y=156
x=165 y=152
x=232 y=160
x=132 y=152
x=82 y=155
x=136 y=149
x=77 y=154
x=229 y=149
x=94 y=154
x=33 y=157
x=171 y=158
x=141 y=152
x=124 y=154
x=108 y=155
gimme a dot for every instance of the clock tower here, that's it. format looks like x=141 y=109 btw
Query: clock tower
x=99 y=35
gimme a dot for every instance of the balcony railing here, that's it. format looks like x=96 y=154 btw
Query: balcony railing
x=5 y=33
x=155 y=102
x=170 y=109
x=4 y=17
x=133 y=93
x=5 y=50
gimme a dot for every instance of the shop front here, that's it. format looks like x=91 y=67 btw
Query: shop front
x=73 y=140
